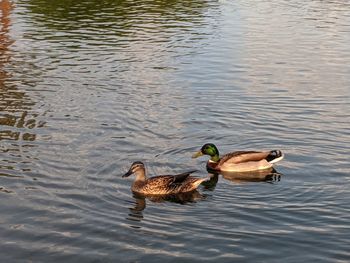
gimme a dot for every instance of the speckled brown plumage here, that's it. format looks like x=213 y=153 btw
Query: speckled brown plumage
x=162 y=184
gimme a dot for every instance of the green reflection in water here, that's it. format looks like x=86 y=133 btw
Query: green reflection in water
x=68 y=14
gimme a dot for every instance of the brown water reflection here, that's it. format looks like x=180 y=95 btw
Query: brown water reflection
x=140 y=202
x=267 y=175
x=5 y=41
x=254 y=176
x=16 y=119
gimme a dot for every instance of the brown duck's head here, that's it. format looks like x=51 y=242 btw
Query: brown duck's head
x=208 y=149
x=135 y=168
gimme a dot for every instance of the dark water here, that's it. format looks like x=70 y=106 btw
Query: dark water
x=88 y=87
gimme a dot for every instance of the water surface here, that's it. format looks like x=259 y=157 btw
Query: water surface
x=88 y=87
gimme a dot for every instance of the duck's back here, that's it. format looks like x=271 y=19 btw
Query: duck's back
x=154 y=185
x=243 y=156
x=242 y=161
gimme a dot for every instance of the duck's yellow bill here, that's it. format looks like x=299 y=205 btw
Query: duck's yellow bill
x=197 y=154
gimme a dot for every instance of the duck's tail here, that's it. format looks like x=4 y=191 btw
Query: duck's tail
x=200 y=180
x=192 y=184
x=179 y=178
x=275 y=156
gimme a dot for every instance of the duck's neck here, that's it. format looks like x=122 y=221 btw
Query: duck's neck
x=140 y=175
x=215 y=158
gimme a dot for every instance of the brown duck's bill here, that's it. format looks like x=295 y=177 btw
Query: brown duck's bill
x=197 y=154
x=128 y=173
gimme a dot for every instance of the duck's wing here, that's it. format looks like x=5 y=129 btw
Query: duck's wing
x=251 y=156
x=167 y=184
x=179 y=178
x=242 y=156
x=160 y=180
x=167 y=180
x=158 y=184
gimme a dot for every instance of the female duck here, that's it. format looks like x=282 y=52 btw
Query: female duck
x=162 y=184
x=240 y=161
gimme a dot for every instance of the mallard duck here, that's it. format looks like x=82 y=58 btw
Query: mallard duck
x=162 y=184
x=240 y=161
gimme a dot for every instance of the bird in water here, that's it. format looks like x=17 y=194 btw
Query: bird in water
x=162 y=184
x=239 y=161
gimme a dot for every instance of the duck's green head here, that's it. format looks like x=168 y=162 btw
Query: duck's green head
x=136 y=167
x=208 y=149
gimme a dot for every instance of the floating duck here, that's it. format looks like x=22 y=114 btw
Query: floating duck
x=162 y=184
x=240 y=161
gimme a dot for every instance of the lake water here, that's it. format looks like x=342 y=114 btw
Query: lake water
x=88 y=87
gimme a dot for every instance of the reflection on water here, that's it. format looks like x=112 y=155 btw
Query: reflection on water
x=4 y=190
x=211 y=184
x=5 y=41
x=136 y=211
x=182 y=198
x=255 y=176
x=17 y=121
